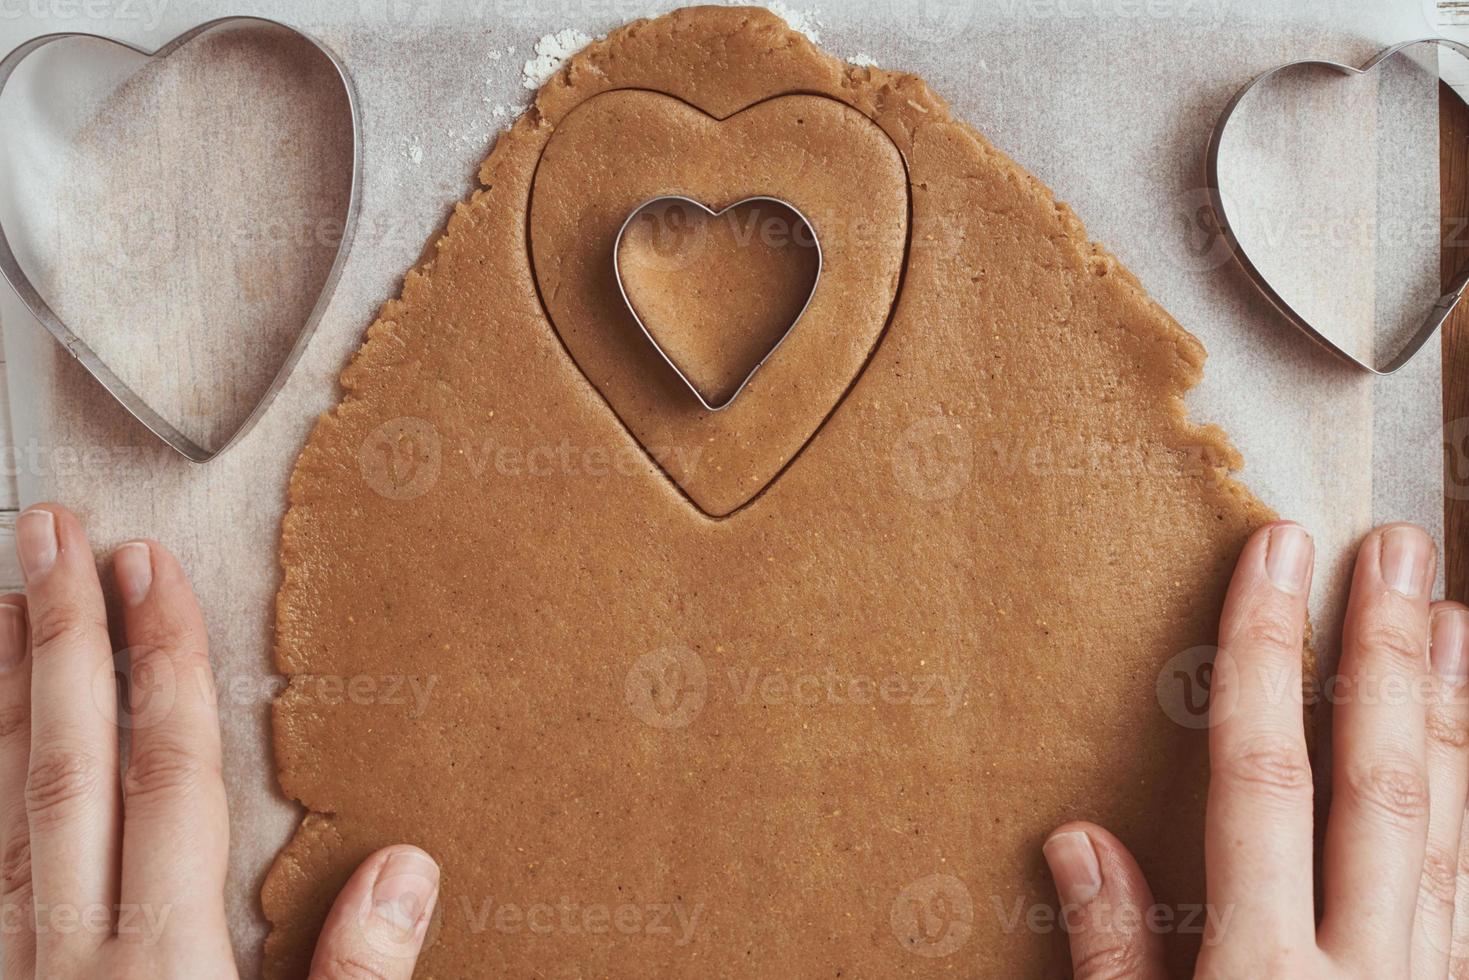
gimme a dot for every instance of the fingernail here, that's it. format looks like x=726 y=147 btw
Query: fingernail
x=132 y=566
x=35 y=542
x=1407 y=560
x=12 y=637
x=405 y=890
x=1073 y=862
x=1449 y=645
x=1288 y=554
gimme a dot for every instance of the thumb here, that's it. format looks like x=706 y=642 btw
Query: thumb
x=1104 y=905
x=376 y=927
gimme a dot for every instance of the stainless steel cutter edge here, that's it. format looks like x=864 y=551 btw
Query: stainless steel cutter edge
x=12 y=272
x=1441 y=308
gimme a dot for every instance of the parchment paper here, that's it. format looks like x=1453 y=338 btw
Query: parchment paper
x=1108 y=101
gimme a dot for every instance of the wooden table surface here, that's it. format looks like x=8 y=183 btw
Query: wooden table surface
x=1454 y=187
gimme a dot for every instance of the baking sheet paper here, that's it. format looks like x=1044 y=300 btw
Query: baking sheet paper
x=1107 y=101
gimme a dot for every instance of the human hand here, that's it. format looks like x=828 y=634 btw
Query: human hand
x=120 y=873
x=1399 y=781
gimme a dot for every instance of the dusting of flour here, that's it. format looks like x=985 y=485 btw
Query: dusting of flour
x=553 y=50
x=802 y=21
x=551 y=53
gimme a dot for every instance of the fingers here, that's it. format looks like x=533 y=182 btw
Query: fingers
x=1459 y=945
x=72 y=796
x=1105 y=904
x=17 y=910
x=1448 y=787
x=1258 y=835
x=175 y=823
x=377 y=925
x=1378 y=827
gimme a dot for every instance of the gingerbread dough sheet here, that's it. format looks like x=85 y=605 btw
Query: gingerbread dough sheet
x=791 y=692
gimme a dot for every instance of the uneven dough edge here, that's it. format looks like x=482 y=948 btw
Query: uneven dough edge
x=310 y=868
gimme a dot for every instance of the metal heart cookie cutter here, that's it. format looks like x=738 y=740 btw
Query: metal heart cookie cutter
x=1440 y=309
x=711 y=213
x=135 y=404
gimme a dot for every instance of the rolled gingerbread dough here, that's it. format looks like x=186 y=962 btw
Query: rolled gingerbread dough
x=792 y=690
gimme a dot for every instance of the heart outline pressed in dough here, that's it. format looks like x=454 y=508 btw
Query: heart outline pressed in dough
x=134 y=403
x=1441 y=308
x=695 y=499
x=711 y=213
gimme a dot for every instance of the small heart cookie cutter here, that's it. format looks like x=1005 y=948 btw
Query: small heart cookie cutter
x=11 y=270
x=710 y=212
x=1441 y=308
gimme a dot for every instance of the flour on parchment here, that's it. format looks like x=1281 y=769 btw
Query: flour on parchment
x=553 y=50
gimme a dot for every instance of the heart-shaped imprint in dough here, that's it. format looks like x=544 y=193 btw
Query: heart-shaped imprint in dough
x=828 y=160
x=717 y=291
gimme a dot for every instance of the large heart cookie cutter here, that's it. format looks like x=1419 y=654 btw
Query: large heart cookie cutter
x=135 y=404
x=710 y=212
x=1441 y=308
